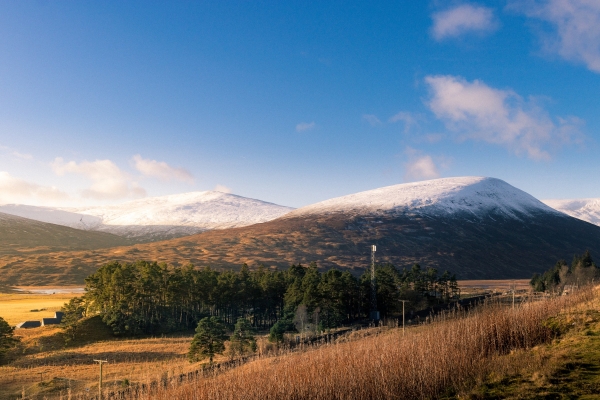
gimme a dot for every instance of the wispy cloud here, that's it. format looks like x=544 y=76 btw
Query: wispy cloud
x=410 y=120
x=463 y=19
x=222 y=189
x=16 y=190
x=574 y=32
x=480 y=112
x=161 y=170
x=108 y=181
x=371 y=119
x=419 y=166
x=15 y=153
x=305 y=126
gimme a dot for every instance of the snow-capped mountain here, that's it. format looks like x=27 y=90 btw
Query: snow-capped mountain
x=183 y=214
x=478 y=228
x=161 y=217
x=584 y=209
x=446 y=196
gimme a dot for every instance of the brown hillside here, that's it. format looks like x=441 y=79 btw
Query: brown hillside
x=494 y=247
x=21 y=237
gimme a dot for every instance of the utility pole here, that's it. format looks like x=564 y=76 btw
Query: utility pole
x=403 y=301
x=374 y=312
x=100 y=381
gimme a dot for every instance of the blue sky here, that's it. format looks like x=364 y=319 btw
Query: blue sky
x=295 y=102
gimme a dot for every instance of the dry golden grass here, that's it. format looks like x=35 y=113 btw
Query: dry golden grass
x=447 y=357
x=137 y=361
x=16 y=308
x=444 y=358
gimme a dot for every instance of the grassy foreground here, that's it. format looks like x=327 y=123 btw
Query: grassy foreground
x=468 y=356
x=543 y=349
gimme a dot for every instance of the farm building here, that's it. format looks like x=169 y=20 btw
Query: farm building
x=29 y=324
x=53 y=321
x=45 y=321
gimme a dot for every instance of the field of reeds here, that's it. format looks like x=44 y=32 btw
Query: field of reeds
x=443 y=359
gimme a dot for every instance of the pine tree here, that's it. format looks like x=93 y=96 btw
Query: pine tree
x=209 y=340
x=73 y=311
x=7 y=339
x=242 y=341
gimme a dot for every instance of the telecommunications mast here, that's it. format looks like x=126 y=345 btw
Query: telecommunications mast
x=374 y=312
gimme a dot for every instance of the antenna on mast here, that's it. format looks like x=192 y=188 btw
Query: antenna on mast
x=374 y=313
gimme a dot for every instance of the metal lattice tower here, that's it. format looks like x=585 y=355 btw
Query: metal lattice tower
x=374 y=312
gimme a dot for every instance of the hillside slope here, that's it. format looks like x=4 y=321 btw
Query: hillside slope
x=183 y=214
x=159 y=218
x=478 y=228
x=22 y=236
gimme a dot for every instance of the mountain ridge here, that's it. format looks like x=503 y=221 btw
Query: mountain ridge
x=158 y=218
x=512 y=241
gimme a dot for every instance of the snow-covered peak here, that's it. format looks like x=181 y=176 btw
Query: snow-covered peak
x=204 y=210
x=437 y=196
x=584 y=209
x=159 y=217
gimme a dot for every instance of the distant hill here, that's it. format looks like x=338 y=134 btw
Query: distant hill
x=478 y=228
x=584 y=209
x=159 y=218
x=22 y=236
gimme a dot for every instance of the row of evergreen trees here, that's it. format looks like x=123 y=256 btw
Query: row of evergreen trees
x=148 y=297
x=582 y=270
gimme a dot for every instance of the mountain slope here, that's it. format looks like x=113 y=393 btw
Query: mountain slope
x=52 y=216
x=584 y=209
x=478 y=228
x=21 y=236
x=183 y=214
x=159 y=218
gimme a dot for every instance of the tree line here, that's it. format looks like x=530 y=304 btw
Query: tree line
x=582 y=271
x=149 y=297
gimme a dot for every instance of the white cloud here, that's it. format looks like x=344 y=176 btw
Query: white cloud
x=371 y=119
x=161 y=170
x=462 y=19
x=408 y=118
x=305 y=126
x=108 y=181
x=575 y=28
x=497 y=116
x=222 y=188
x=15 y=153
x=16 y=190
x=23 y=156
x=419 y=166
